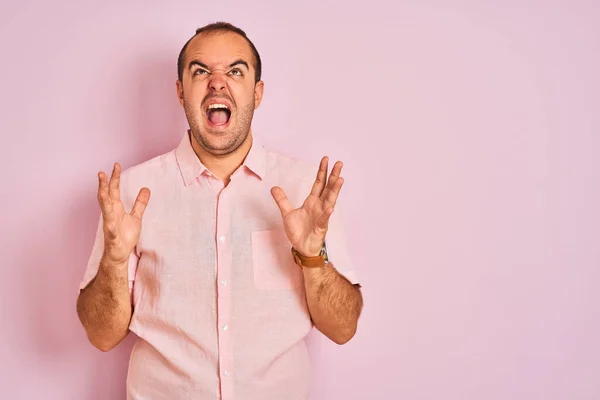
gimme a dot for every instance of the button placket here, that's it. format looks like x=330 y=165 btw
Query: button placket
x=224 y=291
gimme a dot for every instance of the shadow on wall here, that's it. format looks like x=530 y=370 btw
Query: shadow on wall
x=64 y=232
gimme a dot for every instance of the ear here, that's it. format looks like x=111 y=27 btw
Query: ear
x=179 y=86
x=259 y=87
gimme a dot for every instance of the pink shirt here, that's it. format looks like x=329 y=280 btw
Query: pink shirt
x=219 y=305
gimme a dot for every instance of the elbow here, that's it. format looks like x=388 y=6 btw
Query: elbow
x=103 y=335
x=104 y=344
x=343 y=336
x=106 y=341
x=341 y=340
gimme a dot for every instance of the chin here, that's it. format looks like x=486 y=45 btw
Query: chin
x=220 y=141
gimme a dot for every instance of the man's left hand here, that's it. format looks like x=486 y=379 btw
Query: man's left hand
x=307 y=225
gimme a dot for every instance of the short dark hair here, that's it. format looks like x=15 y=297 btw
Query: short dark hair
x=221 y=27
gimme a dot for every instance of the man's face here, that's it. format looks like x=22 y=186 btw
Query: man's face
x=218 y=92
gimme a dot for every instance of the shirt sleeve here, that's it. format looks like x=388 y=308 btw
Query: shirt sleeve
x=94 y=260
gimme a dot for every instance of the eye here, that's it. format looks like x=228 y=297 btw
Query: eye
x=200 y=71
x=236 y=71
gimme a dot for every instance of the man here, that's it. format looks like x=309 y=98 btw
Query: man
x=240 y=253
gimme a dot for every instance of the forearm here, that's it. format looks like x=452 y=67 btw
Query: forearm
x=104 y=307
x=334 y=303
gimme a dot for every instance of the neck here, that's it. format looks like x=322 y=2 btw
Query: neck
x=223 y=166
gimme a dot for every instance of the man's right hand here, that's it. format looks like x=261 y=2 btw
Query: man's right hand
x=121 y=229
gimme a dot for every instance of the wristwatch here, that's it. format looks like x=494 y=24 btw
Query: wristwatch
x=311 y=262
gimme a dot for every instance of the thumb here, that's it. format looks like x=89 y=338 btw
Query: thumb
x=282 y=201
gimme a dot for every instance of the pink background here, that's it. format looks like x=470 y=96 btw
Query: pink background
x=470 y=134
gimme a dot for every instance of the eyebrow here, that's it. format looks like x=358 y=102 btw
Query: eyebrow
x=239 y=62
x=233 y=64
x=198 y=63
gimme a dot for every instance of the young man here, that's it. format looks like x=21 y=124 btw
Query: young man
x=239 y=256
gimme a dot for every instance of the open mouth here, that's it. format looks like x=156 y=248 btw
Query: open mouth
x=218 y=114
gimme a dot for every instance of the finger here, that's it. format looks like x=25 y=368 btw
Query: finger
x=337 y=169
x=335 y=174
x=103 y=197
x=323 y=220
x=114 y=185
x=334 y=193
x=282 y=201
x=141 y=202
x=319 y=184
x=328 y=187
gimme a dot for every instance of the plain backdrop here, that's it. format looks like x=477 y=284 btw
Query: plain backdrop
x=470 y=133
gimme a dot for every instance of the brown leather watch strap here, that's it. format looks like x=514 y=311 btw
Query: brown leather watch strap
x=309 y=262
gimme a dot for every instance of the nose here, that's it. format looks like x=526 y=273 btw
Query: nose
x=217 y=81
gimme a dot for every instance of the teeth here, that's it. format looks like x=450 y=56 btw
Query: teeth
x=213 y=106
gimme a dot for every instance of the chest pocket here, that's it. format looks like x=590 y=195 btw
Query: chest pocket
x=273 y=266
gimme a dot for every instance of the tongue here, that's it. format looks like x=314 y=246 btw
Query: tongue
x=218 y=117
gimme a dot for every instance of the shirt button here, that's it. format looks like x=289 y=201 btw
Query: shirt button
x=225 y=327
x=224 y=282
x=222 y=239
x=226 y=373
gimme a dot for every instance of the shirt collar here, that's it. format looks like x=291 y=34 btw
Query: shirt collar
x=187 y=160
x=256 y=160
x=191 y=167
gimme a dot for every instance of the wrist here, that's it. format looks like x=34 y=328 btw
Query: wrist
x=311 y=259
x=312 y=249
x=309 y=253
x=109 y=265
